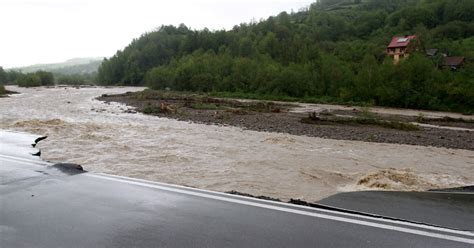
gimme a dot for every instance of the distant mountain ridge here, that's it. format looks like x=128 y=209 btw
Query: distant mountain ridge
x=72 y=66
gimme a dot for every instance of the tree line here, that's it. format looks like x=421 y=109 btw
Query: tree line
x=332 y=51
x=32 y=79
x=44 y=78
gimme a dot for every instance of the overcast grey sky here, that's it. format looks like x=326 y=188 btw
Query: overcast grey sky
x=47 y=31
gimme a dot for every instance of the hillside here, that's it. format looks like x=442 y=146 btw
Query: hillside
x=69 y=67
x=332 y=51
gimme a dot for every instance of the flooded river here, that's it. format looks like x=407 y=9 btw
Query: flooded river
x=105 y=138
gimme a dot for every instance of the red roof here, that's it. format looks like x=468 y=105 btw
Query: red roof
x=401 y=41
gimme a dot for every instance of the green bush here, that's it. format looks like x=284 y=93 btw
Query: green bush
x=2 y=90
x=29 y=80
x=39 y=78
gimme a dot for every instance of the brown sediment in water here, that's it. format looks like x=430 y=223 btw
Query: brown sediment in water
x=39 y=123
x=220 y=158
x=393 y=179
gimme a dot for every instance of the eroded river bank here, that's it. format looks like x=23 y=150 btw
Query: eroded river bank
x=105 y=138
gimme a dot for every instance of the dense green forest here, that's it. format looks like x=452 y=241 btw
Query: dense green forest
x=331 y=51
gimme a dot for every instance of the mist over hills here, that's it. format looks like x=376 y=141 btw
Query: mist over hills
x=73 y=66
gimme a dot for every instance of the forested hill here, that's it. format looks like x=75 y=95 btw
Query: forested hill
x=69 y=67
x=333 y=51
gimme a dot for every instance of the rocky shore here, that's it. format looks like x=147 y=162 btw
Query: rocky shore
x=357 y=124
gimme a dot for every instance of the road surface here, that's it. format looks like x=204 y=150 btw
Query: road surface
x=46 y=205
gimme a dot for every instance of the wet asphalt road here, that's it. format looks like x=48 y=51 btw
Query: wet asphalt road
x=42 y=205
x=453 y=210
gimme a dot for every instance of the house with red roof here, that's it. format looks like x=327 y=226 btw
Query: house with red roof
x=400 y=47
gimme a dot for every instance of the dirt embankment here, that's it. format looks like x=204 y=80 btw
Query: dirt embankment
x=355 y=124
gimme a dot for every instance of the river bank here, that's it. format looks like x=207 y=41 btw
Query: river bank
x=342 y=124
x=111 y=138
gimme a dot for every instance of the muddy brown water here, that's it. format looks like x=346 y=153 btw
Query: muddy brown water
x=103 y=138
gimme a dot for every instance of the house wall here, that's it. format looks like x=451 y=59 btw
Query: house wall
x=396 y=58
x=397 y=53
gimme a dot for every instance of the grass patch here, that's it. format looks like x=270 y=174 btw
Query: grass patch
x=206 y=106
x=451 y=119
x=149 y=94
x=389 y=124
x=423 y=119
x=317 y=100
x=151 y=110
x=200 y=101
x=366 y=114
x=404 y=126
x=381 y=123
